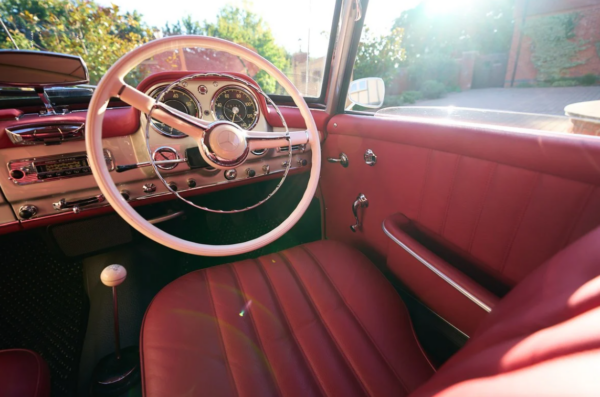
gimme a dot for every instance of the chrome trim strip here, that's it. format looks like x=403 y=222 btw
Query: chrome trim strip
x=165 y=218
x=438 y=272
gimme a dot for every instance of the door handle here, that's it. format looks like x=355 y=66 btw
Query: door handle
x=343 y=160
x=361 y=202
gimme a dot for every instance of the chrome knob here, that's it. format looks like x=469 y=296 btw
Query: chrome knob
x=230 y=174
x=28 y=211
x=149 y=187
x=266 y=169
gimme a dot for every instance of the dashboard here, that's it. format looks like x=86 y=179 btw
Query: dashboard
x=46 y=176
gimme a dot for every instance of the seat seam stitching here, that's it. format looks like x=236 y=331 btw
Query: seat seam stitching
x=520 y=221
x=289 y=325
x=222 y=340
x=485 y=197
x=367 y=333
x=305 y=292
x=251 y=316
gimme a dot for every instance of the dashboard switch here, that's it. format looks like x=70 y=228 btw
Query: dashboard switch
x=27 y=211
x=173 y=186
x=149 y=188
x=266 y=169
x=125 y=194
x=250 y=172
x=302 y=162
x=230 y=174
x=191 y=183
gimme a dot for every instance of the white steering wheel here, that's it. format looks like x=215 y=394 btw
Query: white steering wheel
x=206 y=134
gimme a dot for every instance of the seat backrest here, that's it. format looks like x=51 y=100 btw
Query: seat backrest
x=543 y=338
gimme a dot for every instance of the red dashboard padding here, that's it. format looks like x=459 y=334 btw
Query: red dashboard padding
x=317 y=319
x=23 y=373
x=117 y=122
x=431 y=288
x=542 y=339
x=10 y=114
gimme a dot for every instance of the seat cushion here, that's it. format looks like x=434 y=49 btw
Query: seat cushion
x=23 y=373
x=318 y=319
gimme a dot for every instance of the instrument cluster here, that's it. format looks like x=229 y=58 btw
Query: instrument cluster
x=229 y=102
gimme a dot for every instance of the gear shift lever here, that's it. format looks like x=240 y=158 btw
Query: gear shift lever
x=112 y=276
x=118 y=372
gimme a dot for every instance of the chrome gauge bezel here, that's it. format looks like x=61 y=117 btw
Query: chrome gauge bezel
x=241 y=88
x=157 y=90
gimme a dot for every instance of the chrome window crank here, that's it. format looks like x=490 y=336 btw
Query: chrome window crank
x=362 y=202
x=343 y=160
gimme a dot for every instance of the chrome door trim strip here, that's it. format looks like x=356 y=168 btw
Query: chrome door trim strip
x=438 y=272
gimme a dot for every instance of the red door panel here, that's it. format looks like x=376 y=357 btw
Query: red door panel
x=505 y=201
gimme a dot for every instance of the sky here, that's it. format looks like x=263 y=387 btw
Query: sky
x=289 y=20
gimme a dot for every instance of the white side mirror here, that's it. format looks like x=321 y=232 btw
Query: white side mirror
x=368 y=93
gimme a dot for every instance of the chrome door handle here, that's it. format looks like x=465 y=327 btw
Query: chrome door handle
x=362 y=202
x=343 y=160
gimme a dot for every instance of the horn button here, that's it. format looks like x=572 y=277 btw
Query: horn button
x=228 y=142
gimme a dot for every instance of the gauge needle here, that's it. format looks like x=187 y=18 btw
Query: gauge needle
x=235 y=111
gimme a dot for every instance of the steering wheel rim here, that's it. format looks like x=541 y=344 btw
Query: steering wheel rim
x=112 y=85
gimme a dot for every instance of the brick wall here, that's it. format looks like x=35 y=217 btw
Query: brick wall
x=521 y=69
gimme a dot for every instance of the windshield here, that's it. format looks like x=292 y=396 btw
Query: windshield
x=295 y=39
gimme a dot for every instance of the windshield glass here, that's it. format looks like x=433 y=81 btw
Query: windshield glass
x=295 y=39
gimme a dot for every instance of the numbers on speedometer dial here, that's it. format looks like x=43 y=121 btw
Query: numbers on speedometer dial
x=236 y=104
x=180 y=99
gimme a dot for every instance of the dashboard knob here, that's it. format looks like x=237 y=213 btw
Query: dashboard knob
x=27 y=211
x=173 y=186
x=302 y=162
x=191 y=183
x=149 y=187
x=266 y=169
x=250 y=172
x=125 y=194
x=230 y=174
x=17 y=174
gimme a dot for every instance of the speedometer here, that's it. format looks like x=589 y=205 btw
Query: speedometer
x=236 y=104
x=180 y=99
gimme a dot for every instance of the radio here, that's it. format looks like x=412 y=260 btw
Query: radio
x=49 y=168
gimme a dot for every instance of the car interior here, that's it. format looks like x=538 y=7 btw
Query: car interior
x=195 y=232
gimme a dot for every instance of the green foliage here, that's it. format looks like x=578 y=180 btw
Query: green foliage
x=565 y=83
x=554 y=46
x=100 y=35
x=411 y=97
x=432 y=89
x=437 y=67
x=589 y=79
x=242 y=27
x=379 y=56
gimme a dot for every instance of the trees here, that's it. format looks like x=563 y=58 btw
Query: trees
x=245 y=28
x=380 y=56
x=100 y=35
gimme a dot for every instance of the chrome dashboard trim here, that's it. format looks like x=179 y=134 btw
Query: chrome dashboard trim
x=435 y=270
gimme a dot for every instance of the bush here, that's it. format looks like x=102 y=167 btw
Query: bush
x=438 y=67
x=411 y=96
x=432 y=89
x=565 y=83
x=589 y=79
x=393 y=100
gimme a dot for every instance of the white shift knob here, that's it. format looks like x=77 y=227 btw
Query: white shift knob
x=113 y=275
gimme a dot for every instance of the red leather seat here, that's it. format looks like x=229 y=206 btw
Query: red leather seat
x=321 y=320
x=23 y=373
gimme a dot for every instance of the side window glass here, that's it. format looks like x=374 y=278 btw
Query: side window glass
x=531 y=64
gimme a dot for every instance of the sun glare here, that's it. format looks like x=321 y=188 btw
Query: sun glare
x=444 y=6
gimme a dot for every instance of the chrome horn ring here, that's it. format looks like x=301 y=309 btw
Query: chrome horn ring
x=206 y=149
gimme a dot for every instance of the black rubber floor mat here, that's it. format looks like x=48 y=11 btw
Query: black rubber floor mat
x=43 y=307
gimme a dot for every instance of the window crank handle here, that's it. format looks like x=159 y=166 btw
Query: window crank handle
x=362 y=202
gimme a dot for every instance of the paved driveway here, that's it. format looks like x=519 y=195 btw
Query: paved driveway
x=550 y=100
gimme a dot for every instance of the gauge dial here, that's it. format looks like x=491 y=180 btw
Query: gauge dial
x=180 y=99
x=236 y=104
x=165 y=153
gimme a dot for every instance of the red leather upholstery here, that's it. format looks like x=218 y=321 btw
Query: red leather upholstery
x=23 y=373
x=542 y=339
x=322 y=321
